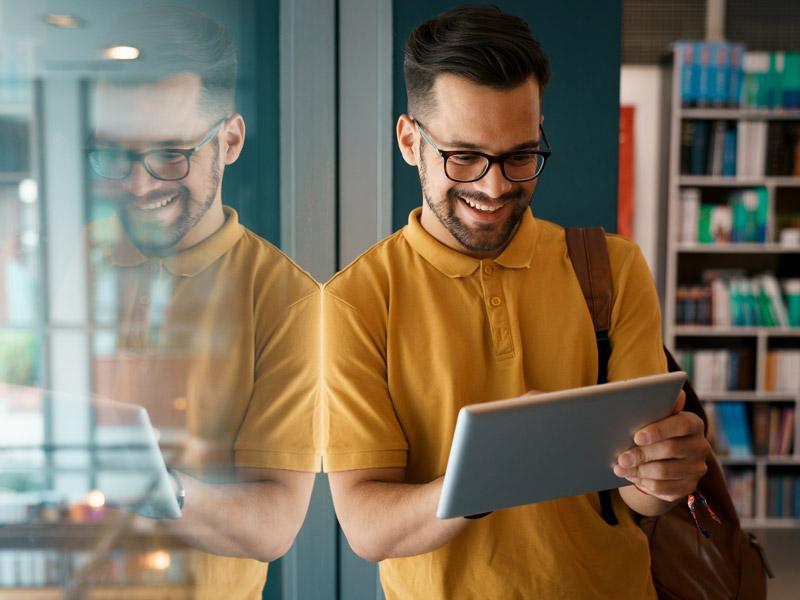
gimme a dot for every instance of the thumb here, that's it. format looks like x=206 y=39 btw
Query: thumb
x=679 y=403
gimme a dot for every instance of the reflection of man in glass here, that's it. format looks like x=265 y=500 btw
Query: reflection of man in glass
x=214 y=330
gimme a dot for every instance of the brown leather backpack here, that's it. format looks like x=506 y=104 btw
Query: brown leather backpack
x=685 y=564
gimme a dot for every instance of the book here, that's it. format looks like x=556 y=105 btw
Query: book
x=718 y=73
x=786 y=431
x=690 y=214
x=761 y=422
x=755 y=69
x=729 y=152
x=733 y=417
x=689 y=71
x=736 y=76
x=699 y=150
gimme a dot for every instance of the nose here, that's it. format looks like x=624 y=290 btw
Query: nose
x=140 y=182
x=494 y=184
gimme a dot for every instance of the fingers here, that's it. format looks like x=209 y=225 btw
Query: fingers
x=666 y=470
x=668 y=490
x=669 y=457
x=679 y=403
x=685 y=447
x=680 y=425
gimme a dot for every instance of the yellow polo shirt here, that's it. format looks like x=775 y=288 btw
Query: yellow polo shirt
x=221 y=344
x=414 y=330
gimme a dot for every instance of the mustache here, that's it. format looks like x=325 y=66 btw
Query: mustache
x=512 y=196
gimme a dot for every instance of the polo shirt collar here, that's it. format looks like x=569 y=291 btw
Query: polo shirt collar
x=518 y=254
x=189 y=262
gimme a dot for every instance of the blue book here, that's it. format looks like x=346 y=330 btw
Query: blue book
x=762 y=213
x=777 y=499
x=796 y=498
x=703 y=58
x=736 y=74
x=729 y=153
x=699 y=154
x=684 y=57
x=733 y=416
x=733 y=370
x=718 y=73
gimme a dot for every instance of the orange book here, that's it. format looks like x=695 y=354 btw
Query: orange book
x=770 y=372
x=625 y=199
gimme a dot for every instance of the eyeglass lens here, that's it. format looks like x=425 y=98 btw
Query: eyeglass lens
x=117 y=164
x=517 y=167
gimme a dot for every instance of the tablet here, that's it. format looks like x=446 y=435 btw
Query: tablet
x=131 y=468
x=550 y=445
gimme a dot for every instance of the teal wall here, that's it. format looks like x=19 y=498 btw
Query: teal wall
x=252 y=184
x=581 y=106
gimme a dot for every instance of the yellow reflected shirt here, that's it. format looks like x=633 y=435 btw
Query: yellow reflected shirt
x=414 y=330
x=221 y=344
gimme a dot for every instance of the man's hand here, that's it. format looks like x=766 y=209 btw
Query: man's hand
x=669 y=457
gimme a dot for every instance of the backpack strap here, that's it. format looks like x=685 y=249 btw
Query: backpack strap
x=588 y=251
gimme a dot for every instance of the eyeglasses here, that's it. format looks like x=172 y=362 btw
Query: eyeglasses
x=166 y=164
x=465 y=166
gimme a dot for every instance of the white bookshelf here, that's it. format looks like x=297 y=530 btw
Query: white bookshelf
x=684 y=258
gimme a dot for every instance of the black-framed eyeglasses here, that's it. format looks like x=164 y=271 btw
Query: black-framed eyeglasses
x=465 y=166
x=166 y=164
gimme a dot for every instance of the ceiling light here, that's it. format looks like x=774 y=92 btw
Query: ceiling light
x=63 y=21
x=121 y=53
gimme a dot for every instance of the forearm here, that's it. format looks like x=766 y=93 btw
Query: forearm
x=644 y=504
x=253 y=519
x=391 y=519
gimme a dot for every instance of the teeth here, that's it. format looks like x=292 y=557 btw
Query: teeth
x=156 y=205
x=481 y=207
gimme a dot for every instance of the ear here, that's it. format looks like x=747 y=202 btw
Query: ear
x=407 y=139
x=233 y=137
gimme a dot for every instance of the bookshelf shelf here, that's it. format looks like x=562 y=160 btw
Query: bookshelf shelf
x=737 y=182
x=736 y=248
x=770 y=523
x=748 y=396
x=77 y=536
x=105 y=592
x=750 y=212
x=713 y=331
x=760 y=460
x=741 y=114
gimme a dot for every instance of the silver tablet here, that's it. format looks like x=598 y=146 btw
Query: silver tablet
x=550 y=445
x=131 y=468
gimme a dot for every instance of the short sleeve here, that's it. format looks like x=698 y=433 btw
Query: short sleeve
x=362 y=427
x=281 y=429
x=636 y=344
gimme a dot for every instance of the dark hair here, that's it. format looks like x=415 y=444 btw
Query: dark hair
x=480 y=43
x=177 y=39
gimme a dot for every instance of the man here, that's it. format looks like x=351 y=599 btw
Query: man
x=476 y=300
x=214 y=330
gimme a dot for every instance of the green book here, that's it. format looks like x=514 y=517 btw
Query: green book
x=766 y=312
x=704 y=234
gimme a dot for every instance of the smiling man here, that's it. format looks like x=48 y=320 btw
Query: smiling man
x=476 y=300
x=210 y=327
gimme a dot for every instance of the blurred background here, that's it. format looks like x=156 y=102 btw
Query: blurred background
x=708 y=186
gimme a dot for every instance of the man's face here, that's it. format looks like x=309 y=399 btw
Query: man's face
x=477 y=218
x=158 y=215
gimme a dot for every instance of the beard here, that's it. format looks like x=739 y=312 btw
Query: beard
x=480 y=238
x=154 y=237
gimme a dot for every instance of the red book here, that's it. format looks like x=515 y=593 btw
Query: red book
x=626 y=172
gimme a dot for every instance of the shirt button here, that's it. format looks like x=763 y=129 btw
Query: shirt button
x=488 y=269
x=144 y=300
x=496 y=301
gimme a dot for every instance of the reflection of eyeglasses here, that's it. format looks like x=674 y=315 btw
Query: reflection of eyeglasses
x=464 y=166
x=166 y=164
